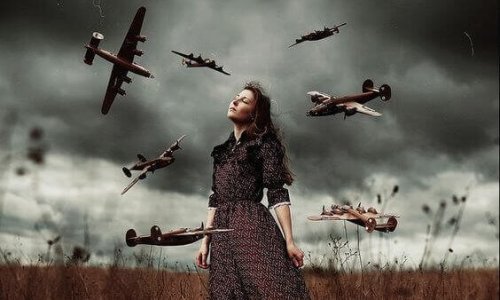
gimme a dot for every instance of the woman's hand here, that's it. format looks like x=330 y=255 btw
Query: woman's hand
x=295 y=254
x=201 y=257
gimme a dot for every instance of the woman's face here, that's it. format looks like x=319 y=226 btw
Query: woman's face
x=242 y=107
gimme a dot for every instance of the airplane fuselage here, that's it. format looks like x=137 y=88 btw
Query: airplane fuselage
x=207 y=63
x=114 y=59
x=360 y=98
x=167 y=241
x=195 y=65
x=170 y=238
x=155 y=164
x=333 y=105
x=317 y=36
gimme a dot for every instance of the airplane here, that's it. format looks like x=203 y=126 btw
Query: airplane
x=122 y=62
x=175 y=237
x=192 y=62
x=325 y=104
x=358 y=216
x=318 y=34
x=144 y=165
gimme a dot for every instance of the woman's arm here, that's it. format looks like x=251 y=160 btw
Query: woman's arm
x=210 y=218
x=284 y=218
x=201 y=257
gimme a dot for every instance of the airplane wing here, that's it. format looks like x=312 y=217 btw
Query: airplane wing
x=198 y=59
x=332 y=217
x=297 y=41
x=190 y=56
x=206 y=231
x=202 y=62
x=130 y=43
x=175 y=146
x=348 y=216
x=135 y=180
x=219 y=69
x=174 y=232
x=114 y=85
x=362 y=109
x=318 y=97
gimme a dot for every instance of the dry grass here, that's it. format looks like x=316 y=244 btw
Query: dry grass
x=74 y=282
x=458 y=284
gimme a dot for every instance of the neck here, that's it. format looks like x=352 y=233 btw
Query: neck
x=238 y=130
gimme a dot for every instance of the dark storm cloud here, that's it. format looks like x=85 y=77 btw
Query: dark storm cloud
x=444 y=100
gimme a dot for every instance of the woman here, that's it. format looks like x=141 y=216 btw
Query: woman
x=254 y=260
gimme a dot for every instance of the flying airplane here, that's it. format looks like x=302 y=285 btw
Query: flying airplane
x=325 y=104
x=144 y=165
x=358 y=216
x=318 y=34
x=122 y=62
x=175 y=237
x=192 y=62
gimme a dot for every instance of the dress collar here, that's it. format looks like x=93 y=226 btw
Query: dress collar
x=244 y=136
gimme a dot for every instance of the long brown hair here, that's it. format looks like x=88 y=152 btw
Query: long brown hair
x=262 y=123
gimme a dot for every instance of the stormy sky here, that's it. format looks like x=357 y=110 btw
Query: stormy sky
x=437 y=137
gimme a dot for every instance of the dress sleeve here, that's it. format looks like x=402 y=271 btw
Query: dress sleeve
x=273 y=173
x=212 y=201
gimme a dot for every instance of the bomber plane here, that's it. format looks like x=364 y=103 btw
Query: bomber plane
x=325 y=104
x=195 y=62
x=123 y=62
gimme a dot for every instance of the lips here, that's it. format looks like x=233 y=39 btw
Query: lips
x=232 y=109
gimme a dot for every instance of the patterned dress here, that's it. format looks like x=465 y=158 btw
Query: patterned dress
x=250 y=262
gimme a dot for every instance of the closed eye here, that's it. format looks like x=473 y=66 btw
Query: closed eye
x=242 y=99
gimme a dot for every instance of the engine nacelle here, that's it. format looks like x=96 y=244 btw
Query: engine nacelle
x=350 y=112
x=130 y=238
x=93 y=44
x=315 y=99
x=121 y=91
x=126 y=79
x=138 y=52
x=140 y=38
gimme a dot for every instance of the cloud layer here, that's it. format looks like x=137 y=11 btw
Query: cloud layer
x=442 y=118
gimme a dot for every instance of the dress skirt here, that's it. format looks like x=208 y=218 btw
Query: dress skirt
x=251 y=262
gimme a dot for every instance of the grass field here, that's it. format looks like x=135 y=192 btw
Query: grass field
x=75 y=282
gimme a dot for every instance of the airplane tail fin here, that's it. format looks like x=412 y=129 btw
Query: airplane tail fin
x=390 y=226
x=385 y=92
x=127 y=172
x=392 y=223
x=94 y=43
x=89 y=57
x=156 y=233
x=367 y=86
x=130 y=238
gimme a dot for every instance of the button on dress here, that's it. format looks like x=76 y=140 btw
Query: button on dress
x=250 y=262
